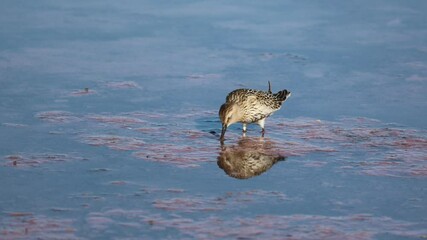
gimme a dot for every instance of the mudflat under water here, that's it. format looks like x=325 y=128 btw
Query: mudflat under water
x=109 y=126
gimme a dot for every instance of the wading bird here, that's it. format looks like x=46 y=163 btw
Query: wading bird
x=250 y=106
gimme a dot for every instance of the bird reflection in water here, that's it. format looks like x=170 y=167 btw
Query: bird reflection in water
x=249 y=157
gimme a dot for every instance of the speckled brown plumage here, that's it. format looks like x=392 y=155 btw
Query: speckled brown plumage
x=250 y=106
x=256 y=104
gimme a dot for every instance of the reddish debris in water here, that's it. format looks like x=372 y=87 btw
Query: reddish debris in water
x=154 y=131
x=189 y=204
x=99 y=223
x=16 y=125
x=150 y=190
x=118 y=183
x=315 y=164
x=119 y=120
x=409 y=143
x=148 y=115
x=34 y=160
x=175 y=190
x=123 y=85
x=20 y=214
x=195 y=79
x=57 y=117
x=83 y=92
x=36 y=227
x=198 y=76
x=351 y=227
x=230 y=200
x=114 y=142
x=387 y=151
x=180 y=155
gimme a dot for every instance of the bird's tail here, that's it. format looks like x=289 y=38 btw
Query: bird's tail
x=282 y=95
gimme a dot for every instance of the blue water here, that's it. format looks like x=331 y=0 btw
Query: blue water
x=109 y=127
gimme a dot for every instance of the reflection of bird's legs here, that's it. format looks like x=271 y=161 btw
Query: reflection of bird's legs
x=222 y=145
x=244 y=130
x=261 y=124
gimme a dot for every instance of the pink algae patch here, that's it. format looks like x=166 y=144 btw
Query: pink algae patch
x=185 y=141
x=34 y=160
x=19 y=214
x=123 y=85
x=203 y=76
x=114 y=142
x=117 y=120
x=226 y=201
x=57 y=117
x=252 y=156
x=188 y=204
x=382 y=150
x=301 y=148
x=179 y=155
x=118 y=183
x=36 y=227
x=409 y=143
x=351 y=227
x=99 y=222
x=193 y=114
x=82 y=92
x=148 y=115
x=16 y=125
x=150 y=190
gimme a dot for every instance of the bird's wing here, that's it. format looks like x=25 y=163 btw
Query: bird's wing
x=263 y=105
x=257 y=108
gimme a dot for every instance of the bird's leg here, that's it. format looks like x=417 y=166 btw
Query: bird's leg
x=244 y=127
x=261 y=124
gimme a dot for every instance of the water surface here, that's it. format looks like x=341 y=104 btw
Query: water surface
x=109 y=127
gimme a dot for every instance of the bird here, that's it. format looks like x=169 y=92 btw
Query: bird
x=250 y=106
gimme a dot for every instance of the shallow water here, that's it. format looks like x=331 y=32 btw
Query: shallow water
x=109 y=127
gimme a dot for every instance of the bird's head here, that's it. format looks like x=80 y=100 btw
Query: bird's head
x=228 y=114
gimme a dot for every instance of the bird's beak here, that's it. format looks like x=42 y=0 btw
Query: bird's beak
x=224 y=128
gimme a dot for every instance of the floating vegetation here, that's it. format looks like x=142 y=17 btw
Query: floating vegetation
x=84 y=92
x=119 y=120
x=299 y=226
x=217 y=203
x=114 y=142
x=383 y=149
x=57 y=117
x=123 y=85
x=31 y=226
x=15 y=125
x=33 y=160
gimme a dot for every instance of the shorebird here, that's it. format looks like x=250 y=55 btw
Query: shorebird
x=250 y=106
